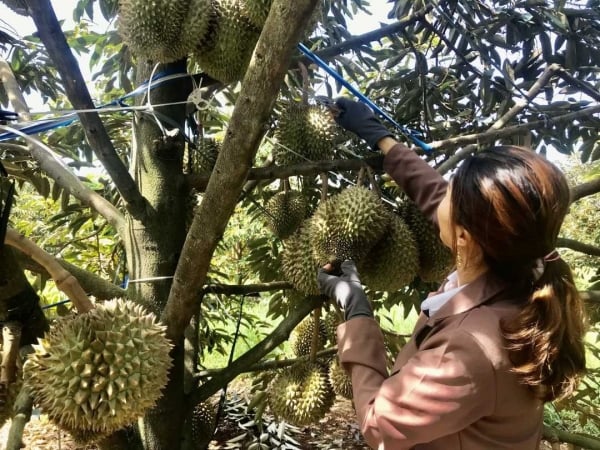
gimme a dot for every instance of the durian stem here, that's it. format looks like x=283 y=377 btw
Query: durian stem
x=373 y=181
x=22 y=414
x=66 y=282
x=11 y=338
x=305 y=82
x=360 y=179
x=286 y=185
x=316 y=337
x=324 y=185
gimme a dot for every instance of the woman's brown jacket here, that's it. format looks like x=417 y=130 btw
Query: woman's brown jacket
x=451 y=387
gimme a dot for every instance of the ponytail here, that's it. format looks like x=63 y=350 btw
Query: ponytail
x=545 y=340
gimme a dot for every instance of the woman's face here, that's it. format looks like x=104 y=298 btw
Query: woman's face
x=444 y=220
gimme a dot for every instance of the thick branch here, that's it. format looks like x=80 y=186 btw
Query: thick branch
x=273 y=364
x=578 y=246
x=94 y=285
x=199 y=182
x=585 y=189
x=554 y=435
x=66 y=282
x=280 y=334
x=53 y=38
x=259 y=90
x=62 y=175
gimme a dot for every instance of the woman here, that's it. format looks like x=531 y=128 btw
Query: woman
x=503 y=334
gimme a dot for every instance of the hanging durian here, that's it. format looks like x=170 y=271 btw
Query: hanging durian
x=348 y=225
x=164 y=30
x=207 y=154
x=297 y=262
x=305 y=133
x=394 y=261
x=302 y=336
x=301 y=394
x=435 y=259
x=341 y=382
x=257 y=11
x=202 y=424
x=229 y=54
x=331 y=322
x=285 y=211
x=98 y=372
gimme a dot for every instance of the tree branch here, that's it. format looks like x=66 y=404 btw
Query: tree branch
x=13 y=92
x=280 y=334
x=578 y=246
x=63 y=279
x=585 y=189
x=258 y=93
x=53 y=38
x=94 y=285
x=555 y=435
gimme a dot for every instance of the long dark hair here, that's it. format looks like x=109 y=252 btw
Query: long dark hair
x=513 y=202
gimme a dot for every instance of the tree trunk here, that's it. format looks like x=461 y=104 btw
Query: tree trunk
x=153 y=244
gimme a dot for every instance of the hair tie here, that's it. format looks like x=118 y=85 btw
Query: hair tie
x=552 y=256
x=540 y=264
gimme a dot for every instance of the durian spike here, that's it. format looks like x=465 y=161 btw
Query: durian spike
x=316 y=337
x=63 y=279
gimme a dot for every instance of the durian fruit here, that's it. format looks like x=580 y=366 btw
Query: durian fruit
x=341 y=383
x=229 y=54
x=207 y=154
x=285 y=211
x=257 y=11
x=18 y=6
x=394 y=261
x=331 y=322
x=301 y=394
x=297 y=262
x=348 y=225
x=164 y=30
x=202 y=424
x=435 y=259
x=98 y=372
x=305 y=133
x=302 y=336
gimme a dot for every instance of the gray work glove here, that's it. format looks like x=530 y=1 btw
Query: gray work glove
x=360 y=119
x=346 y=290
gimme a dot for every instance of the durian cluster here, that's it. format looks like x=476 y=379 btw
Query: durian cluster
x=304 y=133
x=98 y=372
x=389 y=249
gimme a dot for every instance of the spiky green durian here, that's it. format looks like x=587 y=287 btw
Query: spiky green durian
x=302 y=336
x=18 y=6
x=301 y=394
x=297 y=262
x=305 y=133
x=285 y=211
x=202 y=424
x=341 y=382
x=257 y=11
x=394 y=261
x=164 y=30
x=229 y=54
x=348 y=225
x=99 y=371
x=331 y=322
x=435 y=259
x=207 y=154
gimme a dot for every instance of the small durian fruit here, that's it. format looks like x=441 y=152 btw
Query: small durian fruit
x=348 y=225
x=435 y=259
x=99 y=371
x=302 y=336
x=207 y=154
x=202 y=424
x=301 y=394
x=341 y=382
x=331 y=321
x=164 y=30
x=394 y=261
x=228 y=55
x=285 y=211
x=297 y=262
x=305 y=133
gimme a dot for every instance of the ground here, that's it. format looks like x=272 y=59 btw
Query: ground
x=337 y=431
